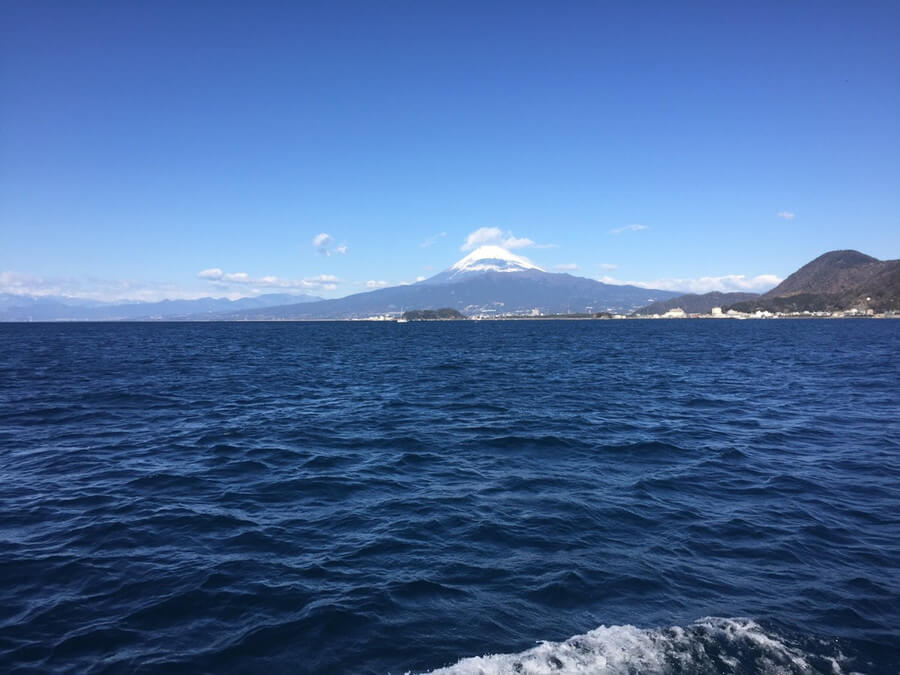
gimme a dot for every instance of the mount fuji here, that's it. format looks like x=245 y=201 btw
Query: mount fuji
x=484 y=259
x=491 y=280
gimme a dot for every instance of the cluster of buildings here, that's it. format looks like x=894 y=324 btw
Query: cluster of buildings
x=675 y=313
x=717 y=313
x=390 y=316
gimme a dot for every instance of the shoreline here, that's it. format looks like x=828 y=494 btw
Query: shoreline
x=466 y=320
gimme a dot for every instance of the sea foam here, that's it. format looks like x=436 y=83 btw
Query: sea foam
x=709 y=645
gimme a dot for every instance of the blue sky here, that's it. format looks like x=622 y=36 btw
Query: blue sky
x=143 y=144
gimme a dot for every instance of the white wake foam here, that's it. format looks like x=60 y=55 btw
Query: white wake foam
x=710 y=645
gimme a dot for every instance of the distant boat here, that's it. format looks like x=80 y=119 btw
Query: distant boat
x=401 y=318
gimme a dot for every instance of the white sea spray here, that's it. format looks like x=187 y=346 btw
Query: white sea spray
x=709 y=645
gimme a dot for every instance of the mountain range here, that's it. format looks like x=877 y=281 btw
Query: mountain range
x=492 y=281
x=59 y=308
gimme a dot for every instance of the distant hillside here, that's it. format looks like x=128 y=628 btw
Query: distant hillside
x=837 y=280
x=58 y=308
x=830 y=273
x=693 y=303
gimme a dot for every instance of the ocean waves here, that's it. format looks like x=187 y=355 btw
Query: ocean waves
x=387 y=498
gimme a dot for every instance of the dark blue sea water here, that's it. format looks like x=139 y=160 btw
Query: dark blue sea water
x=668 y=496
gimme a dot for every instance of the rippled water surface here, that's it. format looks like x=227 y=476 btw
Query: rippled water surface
x=496 y=497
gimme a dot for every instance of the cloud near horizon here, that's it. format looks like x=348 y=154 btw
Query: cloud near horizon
x=628 y=228
x=726 y=284
x=322 y=282
x=566 y=267
x=786 y=215
x=494 y=236
x=374 y=284
x=99 y=290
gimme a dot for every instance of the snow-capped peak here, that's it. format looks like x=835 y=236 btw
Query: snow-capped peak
x=493 y=259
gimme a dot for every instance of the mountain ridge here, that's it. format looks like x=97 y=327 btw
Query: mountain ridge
x=837 y=280
x=15 y=307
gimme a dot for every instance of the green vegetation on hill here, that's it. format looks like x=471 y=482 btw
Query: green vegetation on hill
x=835 y=281
x=445 y=314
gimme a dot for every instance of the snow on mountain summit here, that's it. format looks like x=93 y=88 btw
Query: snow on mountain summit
x=493 y=259
x=484 y=260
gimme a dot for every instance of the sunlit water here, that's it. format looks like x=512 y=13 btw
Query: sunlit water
x=479 y=497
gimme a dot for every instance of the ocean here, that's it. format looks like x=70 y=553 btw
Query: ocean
x=460 y=497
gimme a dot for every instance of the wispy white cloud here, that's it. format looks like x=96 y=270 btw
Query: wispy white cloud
x=484 y=236
x=432 y=240
x=494 y=236
x=375 y=284
x=99 y=290
x=322 y=241
x=608 y=266
x=322 y=282
x=786 y=215
x=628 y=228
x=566 y=267
x=230 y=285
x=324 y=244
x=725 y=284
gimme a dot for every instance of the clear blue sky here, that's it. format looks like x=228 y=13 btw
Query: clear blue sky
x=142 y=143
